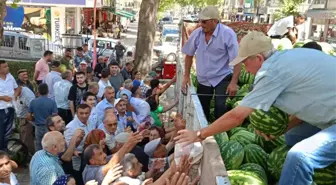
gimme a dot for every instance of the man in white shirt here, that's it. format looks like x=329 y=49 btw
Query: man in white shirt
x=52 y=77
x=62 y=88
x=103 y=82
x=8 y=88
x=7 y=177
x=285 y=27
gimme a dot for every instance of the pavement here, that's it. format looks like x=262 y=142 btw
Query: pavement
x=129 y=39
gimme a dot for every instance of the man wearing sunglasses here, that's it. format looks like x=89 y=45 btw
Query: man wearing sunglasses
x=215 y=46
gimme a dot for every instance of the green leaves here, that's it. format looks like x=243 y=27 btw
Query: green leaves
x=289 y=7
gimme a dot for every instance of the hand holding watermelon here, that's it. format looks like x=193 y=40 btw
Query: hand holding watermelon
x=267 y=137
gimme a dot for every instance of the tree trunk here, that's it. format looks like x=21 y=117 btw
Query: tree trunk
x=3 y=13
x=146 y=35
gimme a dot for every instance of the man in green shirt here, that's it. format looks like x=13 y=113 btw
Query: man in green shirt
x=67 y=59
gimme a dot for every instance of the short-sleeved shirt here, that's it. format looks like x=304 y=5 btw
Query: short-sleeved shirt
x=62 y=89
x=100 y=108
x=141 y=107
x=300 y=82
x=51 y=78
x=102 y=84
x=212 y=58
x=23 y=102
x=42 y=107
x=7 y=87
x=116 y=81
x=76 y=94
x=13 y=180
x=28 y=84
x=94 y=172
x=280 y=27
x=42 y=67
x=155 y=116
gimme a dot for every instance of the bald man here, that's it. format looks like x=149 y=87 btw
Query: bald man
x=44 y=167
x=109 y=126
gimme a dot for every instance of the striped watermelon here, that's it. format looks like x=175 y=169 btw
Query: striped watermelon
x=276 y=160
x=243 y=91
x=250 y=128
x=221 y=138
x=245 y=77
x=326 y=176
x=243 y=137
x=232 y=154
x=273 y=122
x=255 y=154
x=256 y=168
x=269 y=146
x=235 y=130
x=240 y=177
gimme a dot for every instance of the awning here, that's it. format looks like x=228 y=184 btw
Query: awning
x=127 y=13
x=120 y=13
x=322 y=14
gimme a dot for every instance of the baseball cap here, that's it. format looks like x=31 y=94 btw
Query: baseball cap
x=55 y=64
x=83 y=62
x=151 y=146
x=251 y=44
x=209 y=12
x=116 y=101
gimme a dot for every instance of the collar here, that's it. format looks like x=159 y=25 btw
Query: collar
x=51 y=155
x=215 y=33
x=55 y=72
x=118 y=115
x=79 y=121
x=106 y=131
x=106 y=102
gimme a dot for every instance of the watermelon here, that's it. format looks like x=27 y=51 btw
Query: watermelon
x=221 y=138
x=62 y=68
x=256 y=168
x=235 y=130
x=232 y=154
x=250 y=128
x=229 y=103
x=269 y=146
x=236 y=104
x=255 y=154
x=240 y=177
x=273 y=122
x=276 y=160
x=326 y=176
x=243 y=91
x=243 y=137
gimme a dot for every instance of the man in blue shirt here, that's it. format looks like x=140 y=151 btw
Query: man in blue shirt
x=108 y=101
x=215 y=45
x=39 y=110
x=293 y=81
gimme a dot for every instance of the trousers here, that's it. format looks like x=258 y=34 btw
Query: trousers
x=6 y=126
x=314 y=149
x=26 y=134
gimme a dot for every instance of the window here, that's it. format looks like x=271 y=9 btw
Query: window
x=319 y=1
x=8 y=41
x=23 y=43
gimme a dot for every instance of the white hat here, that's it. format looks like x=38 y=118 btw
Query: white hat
x=83 y=62
x=122 y=137
x=116 y=101
x=151 y=146
x=208 y=13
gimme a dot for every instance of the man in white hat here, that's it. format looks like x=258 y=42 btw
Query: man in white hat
x=293 y=81
x=215 y=46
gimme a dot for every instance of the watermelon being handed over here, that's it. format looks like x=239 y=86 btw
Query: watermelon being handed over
x=326 y=176
x=243 y=137
x=232 y=154
x=273 y=122
x=255 y=154
x=276 y=160
x=256 y=168
x=240 y=177
x=269 y=146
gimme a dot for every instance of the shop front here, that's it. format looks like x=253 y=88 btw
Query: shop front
x=323 y=25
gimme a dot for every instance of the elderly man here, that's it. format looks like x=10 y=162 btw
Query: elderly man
x=96 y=160
x=109 y=126
x=300 y=91
x=61 y=89
x=23 y=79
x=6 y=168
x=56 y=123
x=25 y=96
x=126 y=119
x=215 y=45
x=44 y=167
x=128 y=85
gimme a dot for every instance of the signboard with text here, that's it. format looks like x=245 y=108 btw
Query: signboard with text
x=52 y=2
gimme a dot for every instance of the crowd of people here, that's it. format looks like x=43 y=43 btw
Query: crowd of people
x=87 y=126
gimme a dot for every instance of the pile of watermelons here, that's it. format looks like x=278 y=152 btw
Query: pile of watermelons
x=248 y=157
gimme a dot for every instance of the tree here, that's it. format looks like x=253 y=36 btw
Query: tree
x=289 y=7
x=146 y=35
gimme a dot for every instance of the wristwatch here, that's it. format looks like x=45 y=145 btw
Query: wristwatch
x=199 y=135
